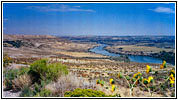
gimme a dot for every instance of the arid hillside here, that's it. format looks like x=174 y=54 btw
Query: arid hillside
x=18 y=46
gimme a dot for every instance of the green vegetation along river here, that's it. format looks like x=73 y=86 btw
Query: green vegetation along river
x=141 y=59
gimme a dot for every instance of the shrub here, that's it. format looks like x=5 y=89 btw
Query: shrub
x=12 y=74
x=24 y=70
x=30 y=92
x=27 y=92
x=68 y=83
x=41 y=70
x=37 y=68
x=85 y=93
x=55 y=70
x=20 y=82
x=38 y=90
x=9 y=75
x=6 y=60
x=44 y=93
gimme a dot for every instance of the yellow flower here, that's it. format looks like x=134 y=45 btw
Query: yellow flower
x=161 y=67
x=137 y=75
x=173 y=71
x=172 y=77
x=113 y=88
x=97 y=81
x=150 y=79
x=145 y=81
x=164 y=64
x=120 y=75
x=148 y=69
x=171 y=82
x=111 y=81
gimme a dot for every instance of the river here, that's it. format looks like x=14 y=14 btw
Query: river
x=139 y=59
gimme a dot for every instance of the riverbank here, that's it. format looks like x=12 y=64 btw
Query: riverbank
x=167 y=55
x=109 y=56
x=133 y=58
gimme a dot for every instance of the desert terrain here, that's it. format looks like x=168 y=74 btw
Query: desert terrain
x=25 y=49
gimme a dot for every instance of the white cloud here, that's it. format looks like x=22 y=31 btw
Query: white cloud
x=77 y=6
x=163 y=10
x=60 y=8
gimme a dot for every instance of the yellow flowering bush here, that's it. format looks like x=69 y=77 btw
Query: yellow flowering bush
x=6 y=60
x=172 y=83
x=111 y=81
x=137 y=75
x=172 y=79
x=150 y=79
x=172 y=72
x=145 y=81
x=163 y=65
x=148 y=69
x=113 y=88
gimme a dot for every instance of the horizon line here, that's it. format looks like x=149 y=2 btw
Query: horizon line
x=83 y=35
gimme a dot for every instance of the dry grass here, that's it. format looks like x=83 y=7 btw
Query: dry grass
x=68 y=83
x=80 y=54
x=20 y=82
x=70 y=46
x=4 y=84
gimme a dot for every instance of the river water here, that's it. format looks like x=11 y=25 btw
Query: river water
x=140 y=59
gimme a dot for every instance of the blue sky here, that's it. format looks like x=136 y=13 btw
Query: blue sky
x=118 y=19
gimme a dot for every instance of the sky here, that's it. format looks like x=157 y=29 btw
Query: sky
x=89 y=19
